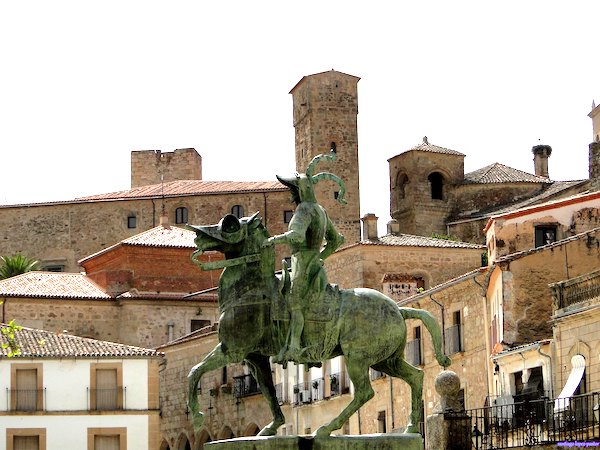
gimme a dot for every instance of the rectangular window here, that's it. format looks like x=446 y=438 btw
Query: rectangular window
x=413 y=352
x=131 y=221
x=453 y=335
x=25 y=439
x=181 y=215
x=106 y=387
x=381 y=427
x=107 y=439
x=26 y=387
x=544 y=235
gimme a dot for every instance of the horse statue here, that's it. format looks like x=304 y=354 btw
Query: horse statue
x=363 y=325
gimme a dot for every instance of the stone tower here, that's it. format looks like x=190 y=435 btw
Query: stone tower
x=422 y=181
x=148 y=166
x=325 y=117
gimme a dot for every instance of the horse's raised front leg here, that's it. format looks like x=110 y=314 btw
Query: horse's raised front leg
x=214 y=360
x=363 y=392
x=261 y=370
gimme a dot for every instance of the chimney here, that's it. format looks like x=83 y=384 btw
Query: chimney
x=164 y=220
x=393 y=227
x=540 y=159
x=369 y=231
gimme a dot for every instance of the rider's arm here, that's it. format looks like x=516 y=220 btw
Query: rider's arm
x=333 y=240
x=297 y=227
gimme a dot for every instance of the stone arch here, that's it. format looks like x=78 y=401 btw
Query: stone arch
x=251 y=430
x=226 y=433
x=183 y=443
x=437 y=183
x=164 y=445
x=399 y=189
x=583 y=349
x=202 y=438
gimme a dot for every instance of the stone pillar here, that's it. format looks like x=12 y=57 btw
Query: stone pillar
x=449 y=427
x=594 y=167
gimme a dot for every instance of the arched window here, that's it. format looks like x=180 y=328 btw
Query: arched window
x=333 y=147
x=181 y=215
x=238 y=211
x=436 y=181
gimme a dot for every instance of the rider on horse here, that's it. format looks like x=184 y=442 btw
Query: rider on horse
x=308 y=229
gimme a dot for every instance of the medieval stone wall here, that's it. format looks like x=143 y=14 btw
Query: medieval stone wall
x=143 y=323
x=153 y=166
x=63 y=233
x=365 y=265
x=527 y=299
x=466 y=298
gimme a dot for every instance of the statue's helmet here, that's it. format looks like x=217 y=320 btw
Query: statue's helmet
x=301 y=184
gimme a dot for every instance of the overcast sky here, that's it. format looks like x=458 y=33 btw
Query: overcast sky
x=85 y=83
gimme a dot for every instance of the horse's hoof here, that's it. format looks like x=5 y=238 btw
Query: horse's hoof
x=411 y=429
x=322 y=433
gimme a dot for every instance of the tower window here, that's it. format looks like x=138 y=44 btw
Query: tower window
x=333 y=147
x=181 y=215
x=131 y=221
x=436 y=181
x=238 y=211
x=336 y=195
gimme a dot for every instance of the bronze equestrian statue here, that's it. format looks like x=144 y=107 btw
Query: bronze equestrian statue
x=363 y=325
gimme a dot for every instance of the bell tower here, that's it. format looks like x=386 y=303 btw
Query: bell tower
x=325 y=118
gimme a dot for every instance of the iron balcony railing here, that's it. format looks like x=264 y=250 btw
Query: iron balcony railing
x=576 y=290
x=113 y=399
x=534 y=422
x=309 y=391
x=245 y=385
x=339 y=383
x=25 y=399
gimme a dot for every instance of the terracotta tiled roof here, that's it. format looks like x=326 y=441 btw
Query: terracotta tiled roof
x=425 y=146
x=45 y=344
x=189 y=187
x=499 y=173
x=52 y=285
x=163 y=237
x=409 y=240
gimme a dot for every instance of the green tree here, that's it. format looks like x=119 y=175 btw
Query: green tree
x=16 y=265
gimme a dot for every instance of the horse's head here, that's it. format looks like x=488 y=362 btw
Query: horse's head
x=231 y=236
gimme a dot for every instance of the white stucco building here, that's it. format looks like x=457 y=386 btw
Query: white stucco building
x=67 y=392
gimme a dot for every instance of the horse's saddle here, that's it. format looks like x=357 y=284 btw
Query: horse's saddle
x=321 y=309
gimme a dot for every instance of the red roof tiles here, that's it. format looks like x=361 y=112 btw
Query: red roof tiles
x=52 y=285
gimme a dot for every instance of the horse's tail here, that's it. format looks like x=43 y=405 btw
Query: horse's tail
x=434 y=329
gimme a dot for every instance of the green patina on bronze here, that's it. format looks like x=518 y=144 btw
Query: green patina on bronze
x=299 y=316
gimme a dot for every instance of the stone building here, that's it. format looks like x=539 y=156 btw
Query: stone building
x=324 y=116
x=430 y=193
x=142 y=291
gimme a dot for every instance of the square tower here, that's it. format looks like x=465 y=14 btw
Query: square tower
x=325 y=117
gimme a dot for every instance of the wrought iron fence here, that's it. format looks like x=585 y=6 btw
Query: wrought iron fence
x=245 y=385
x=536 y=422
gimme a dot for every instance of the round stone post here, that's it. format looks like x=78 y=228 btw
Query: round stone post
x=449 y=426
